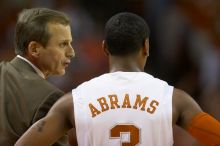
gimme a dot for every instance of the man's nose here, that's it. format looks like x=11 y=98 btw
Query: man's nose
x=70 y=53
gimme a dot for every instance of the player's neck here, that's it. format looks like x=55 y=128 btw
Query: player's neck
x=125 y=65
x=122 y=69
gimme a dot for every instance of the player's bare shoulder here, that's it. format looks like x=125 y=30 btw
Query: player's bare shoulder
x=184 y=108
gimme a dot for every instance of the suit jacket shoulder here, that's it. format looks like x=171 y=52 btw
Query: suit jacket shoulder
x=25 y=97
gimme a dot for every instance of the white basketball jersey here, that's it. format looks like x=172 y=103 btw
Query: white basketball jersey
x=123 y=109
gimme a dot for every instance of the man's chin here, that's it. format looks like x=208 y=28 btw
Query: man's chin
x=60 y=73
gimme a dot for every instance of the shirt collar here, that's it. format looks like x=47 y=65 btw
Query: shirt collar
x=39 y=72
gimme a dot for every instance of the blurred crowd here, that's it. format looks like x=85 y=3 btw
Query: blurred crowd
x=184 y=43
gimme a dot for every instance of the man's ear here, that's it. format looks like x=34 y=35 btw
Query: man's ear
x=104 y=47
x=33 y=49
x=146 y=47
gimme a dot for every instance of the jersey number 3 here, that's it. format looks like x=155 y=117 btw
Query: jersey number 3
x=118 y=130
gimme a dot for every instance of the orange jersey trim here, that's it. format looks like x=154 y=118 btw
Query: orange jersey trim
x=205 y=129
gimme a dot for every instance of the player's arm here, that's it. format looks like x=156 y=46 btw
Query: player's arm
x=49 y=129
x=188 y=115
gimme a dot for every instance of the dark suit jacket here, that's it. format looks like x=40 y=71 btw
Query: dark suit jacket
x=25 y=97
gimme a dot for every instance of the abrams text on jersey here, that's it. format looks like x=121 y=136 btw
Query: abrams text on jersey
x=111 y=102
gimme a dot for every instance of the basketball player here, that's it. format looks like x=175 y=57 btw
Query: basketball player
x=125 y=107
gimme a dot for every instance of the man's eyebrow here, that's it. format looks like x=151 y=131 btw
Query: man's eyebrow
x=66 y=40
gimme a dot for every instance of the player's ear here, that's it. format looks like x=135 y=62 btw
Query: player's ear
x=104 y=47
x=146 y=47
x=34 y=49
